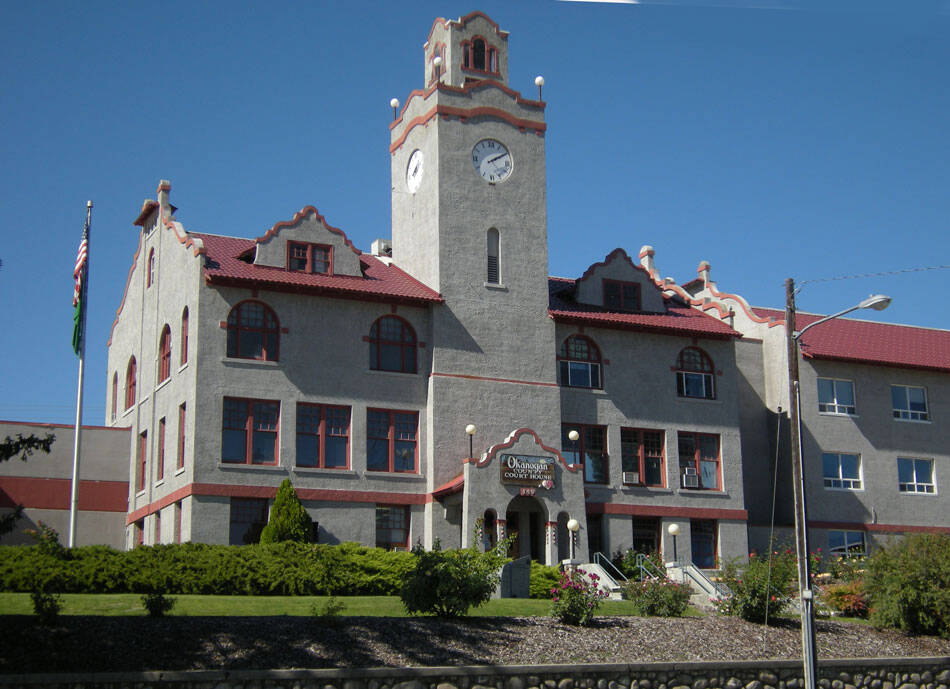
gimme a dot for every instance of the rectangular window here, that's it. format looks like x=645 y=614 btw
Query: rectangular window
x=158 y=528
x=249 y=431
x=160 y=460
x=915 y=475
x=847 y=543
x=841 y=470
x=621 y=296
x=641 y=453
x=646 y=535
x=178 y=522
x=703 y=542
x=590 y=449
x=391 y=440
x=181 y=436
x=139 y=532
x=323 y=436
x=909 y=403
x=699 y=460
x=835 y=396
x=248 y=518
x=309 y=258
x=392 y=527
x=140 y=460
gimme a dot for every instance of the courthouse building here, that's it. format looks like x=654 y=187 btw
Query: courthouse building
x=443 y=386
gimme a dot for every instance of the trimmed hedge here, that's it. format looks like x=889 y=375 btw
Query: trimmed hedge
x=279 y=569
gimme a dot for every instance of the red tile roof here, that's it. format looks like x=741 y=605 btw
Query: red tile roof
x=846 y=339
x=678 y=319
x=378 y=282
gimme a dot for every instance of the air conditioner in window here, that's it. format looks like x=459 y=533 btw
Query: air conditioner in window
x=631 y=477
x=690 y=480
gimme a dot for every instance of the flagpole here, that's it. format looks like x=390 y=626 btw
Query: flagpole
x=77 y=434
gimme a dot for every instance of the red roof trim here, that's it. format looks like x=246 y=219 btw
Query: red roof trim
x=147 y=208
x=448 y=110
x=300 y=215
x=612 y=256
x=884 y=528
x=593 y=319
x=456 y=485
x=125 y=290
x=321 y=290
x=512 y=438
x=70 y=426
x=462 y=21
x=664 y=511
x=424 y=93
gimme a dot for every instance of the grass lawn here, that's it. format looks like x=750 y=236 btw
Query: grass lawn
x=250 y=606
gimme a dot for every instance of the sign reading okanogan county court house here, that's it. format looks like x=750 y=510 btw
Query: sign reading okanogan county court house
x=527 y=470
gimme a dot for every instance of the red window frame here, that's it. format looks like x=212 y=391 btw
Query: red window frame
x=115 y=393
x=392 y=338
x=160 y=460
x=489 y=57
x=165 y=354
x=438 y=50
x=253 y=332
x=181 y=436
x=621 y=300
x=573 y=357
x=591 y=445
x=178 y=522
x=694 y=365
x=395 y=430
x=304 y=257
x=696 y=460
x=130 y=384
x=184 y=337
x=158 y=528
x=150 y=275
x=317 y=423
x=647 y=441
x=139 y=534
x=392 y=520
x=141 y=459
x=258 y=421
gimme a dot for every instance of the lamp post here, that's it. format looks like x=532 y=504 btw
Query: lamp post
x=573 y=526
x=877 y=302
x=673 y=530
x=470 y=430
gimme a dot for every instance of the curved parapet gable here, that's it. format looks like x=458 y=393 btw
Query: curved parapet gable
x=310 y=228
x=512 y=439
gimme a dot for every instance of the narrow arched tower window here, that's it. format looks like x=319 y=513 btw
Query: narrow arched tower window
x=478 y=54
x=493 y=274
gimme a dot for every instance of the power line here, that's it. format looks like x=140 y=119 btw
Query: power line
x=870 y=275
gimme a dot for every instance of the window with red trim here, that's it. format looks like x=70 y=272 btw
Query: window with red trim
x=590 y=449
x=184 y=337
x=641 y=454
x=253 y=332
x=579 y=363
x=309 y=258
x=479 y=56
x=323 y=436
x=115 y=393
x=695 y=376
x=704 y=543
x=392 y=345
x=141 y=457
x=165 y=354
x=392 y=527
x=699 y=460
x=391 y=440
x=621 y=296
x=130 y=383
x=150 y=276
x=249 y=431
x=160 y=460
x=438 y=50
x=139 y=532
x=178 y=522
x=646 y=535
x=181 y=436
x=158 y=528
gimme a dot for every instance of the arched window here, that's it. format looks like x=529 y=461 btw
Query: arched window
x=150 y=276
x=489 y=530
x=184 y=336
x=165 y=354
x=695 y=374
x=392 y=345
x=115 y=393
x=130 y=384
x=579 y=363
x=479 y=55
x=253 y=332
x=493 y=274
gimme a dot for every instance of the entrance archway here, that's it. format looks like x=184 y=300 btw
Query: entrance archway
x=525 y=520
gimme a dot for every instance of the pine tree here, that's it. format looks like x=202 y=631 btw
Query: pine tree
x=289 y=520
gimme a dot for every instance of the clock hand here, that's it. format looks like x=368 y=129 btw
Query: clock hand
x=500 y=155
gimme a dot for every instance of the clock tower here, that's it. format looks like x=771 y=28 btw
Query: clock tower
x=469 y=221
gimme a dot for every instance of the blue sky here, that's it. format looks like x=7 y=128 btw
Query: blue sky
x=771 y=138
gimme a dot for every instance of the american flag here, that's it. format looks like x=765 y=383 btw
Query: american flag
x=79 y=271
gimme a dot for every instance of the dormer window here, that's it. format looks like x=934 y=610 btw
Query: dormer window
x=309 y=258
x=479 y=56
x=621 y=296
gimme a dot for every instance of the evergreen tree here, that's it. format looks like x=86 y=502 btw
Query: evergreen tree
x=289 y=520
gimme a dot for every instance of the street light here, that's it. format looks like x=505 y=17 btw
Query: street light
x=878 y=302
x=470 y=429
x=673 y=530
x=573 y=526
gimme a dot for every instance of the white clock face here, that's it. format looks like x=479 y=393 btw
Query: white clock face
x=414 y=171
x=492 y=160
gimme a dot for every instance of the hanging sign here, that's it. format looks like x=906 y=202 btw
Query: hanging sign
x=527 y=470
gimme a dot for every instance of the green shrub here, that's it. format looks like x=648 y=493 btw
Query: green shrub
x=543 y=579
x=658 y=597
x=755 y=591
x=157 y=604
x=449 y=582
x=46 y=606
x=908 y=585
x=576 y=597
x=847 y=598
x=288 y=520
x=626 y=562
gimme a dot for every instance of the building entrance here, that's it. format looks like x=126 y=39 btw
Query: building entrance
x=525 y=521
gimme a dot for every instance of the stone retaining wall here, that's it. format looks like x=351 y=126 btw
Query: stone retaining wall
x=869 y=673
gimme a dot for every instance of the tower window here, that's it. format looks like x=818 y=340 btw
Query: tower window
x=478 y=55
x=493 y=276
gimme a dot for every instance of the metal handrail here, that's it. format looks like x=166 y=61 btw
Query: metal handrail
x=705 y=583
x=648 y=569
x=607 y=566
